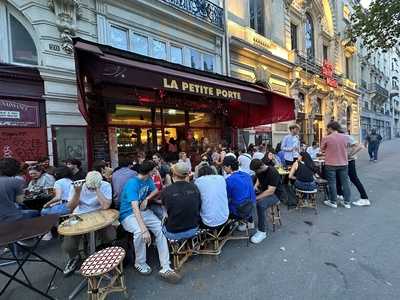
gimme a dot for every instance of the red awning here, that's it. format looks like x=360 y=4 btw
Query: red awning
x=247 y=104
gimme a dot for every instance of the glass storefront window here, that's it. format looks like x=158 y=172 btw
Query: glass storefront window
x=131 y=115
x=195 y=59
x=208 y=62
x=119 y=37
x=174 y=117
x=202 y=119
x=140 y=44
x=159 y=49
x=176 y=55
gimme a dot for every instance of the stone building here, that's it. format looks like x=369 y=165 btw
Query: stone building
x=300 y=49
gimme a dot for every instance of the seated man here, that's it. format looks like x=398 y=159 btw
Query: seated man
x=182 y=203
x=94 y=194
x=270 y=190
x=138 y=219
x=240 y=190
x=11 y=193
x=214 y=200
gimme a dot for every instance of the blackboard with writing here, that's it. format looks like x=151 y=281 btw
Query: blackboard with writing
x=100 y=144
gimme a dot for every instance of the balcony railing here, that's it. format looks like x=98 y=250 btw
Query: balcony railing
x=379 y=93
x=311 y=66
x=201 y=9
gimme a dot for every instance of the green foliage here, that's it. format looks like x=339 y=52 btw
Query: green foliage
x=378 y=26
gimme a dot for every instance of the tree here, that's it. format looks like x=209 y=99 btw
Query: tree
x=378 y=26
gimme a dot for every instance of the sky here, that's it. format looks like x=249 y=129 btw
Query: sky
x=365 y=3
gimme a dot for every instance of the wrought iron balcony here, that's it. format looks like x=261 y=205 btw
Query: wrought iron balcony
x=378 y=93
x=311 y=66
x=202 y=9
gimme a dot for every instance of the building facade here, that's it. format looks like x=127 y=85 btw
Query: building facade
x=298 y=48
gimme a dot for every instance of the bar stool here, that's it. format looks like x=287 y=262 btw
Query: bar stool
x=104 y=265
x=275 y=215
x=322 y=189
x=306 y=199
x=181 y=250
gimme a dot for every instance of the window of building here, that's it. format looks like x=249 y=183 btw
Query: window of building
x=257 y=16
x=395 y=83
x=23 y=48
x=293 y=36
x=140 y=44
x=159 y=49
x=325 y=52
x=208 y=62
x=348 y=67
x=195 y=59
x=309 y=38
x=119 y=37
x=176 y=55
x=301 y=103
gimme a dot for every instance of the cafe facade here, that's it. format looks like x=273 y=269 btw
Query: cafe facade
x=136 y=103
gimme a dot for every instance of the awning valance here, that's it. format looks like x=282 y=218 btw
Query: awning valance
x=247 y=104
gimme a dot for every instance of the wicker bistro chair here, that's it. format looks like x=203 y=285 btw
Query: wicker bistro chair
x=181 y=250
x=105 y=265
x=306 y=199
x=274 y=212
x=322 y=189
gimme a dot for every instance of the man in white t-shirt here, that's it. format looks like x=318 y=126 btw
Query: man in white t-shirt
x=260 y=153
x=214 y=210
x=244 y=162
x=94 y=194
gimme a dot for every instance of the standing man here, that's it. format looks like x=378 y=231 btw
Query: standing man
x=244 y=162
x=373 y=141
x=291 y=145
x=335 y=147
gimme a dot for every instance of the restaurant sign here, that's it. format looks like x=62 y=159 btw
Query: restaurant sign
x=200 y=89
x=16 y=113
x=327 y=72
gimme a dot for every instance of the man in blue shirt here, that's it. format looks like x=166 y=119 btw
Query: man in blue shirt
x=137 y=218
x=240 y=190
x=291 y=145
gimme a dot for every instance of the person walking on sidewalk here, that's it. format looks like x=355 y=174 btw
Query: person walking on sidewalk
x=291 y=145
x=373 y=141
x=336 y=163
x=354 y=148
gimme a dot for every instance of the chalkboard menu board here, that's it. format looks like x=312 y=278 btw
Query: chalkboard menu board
x=100 y=144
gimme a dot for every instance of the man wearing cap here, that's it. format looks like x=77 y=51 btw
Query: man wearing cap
x=240 y=190
x=138 y=219
x=182 y=203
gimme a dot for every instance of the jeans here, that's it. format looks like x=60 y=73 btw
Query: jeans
x=342 y=172
x=354 y=179
x=177 y=236
x=59 y=209
x=373 y=151
x=153 y=223
x=262 y=206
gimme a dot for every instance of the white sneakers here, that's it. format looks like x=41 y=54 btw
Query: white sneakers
x=362 y=202
x=330 y=204
x=258 y=237
x=344 y=204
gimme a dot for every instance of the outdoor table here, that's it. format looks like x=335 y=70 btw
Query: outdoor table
x=89 y=223
x=12 y=232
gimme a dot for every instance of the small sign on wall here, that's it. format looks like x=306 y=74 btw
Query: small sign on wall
x=16 y=113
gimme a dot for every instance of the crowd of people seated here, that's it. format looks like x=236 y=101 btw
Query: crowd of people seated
x=169 y=200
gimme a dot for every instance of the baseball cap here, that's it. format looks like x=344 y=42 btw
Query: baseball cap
x=181 y=169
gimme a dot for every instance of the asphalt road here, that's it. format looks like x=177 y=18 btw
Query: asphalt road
x=337 y=254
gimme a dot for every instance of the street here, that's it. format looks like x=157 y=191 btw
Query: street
x=337 y=254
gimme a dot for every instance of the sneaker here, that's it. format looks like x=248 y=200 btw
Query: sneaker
x=330 y=204
x=344 y=204
x=242 y=227
x=375 y=160
x=362 y=202
x=169 y=275
x=258 y=237
x=71 y=266
x=371 y=159
x=143 y=269
x=48 y=236
x=339 y=198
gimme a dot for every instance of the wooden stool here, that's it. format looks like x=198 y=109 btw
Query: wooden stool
x=181 y=250
x=306 y=199
x=98 y=267
x=322 y=189
x=275 y=215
